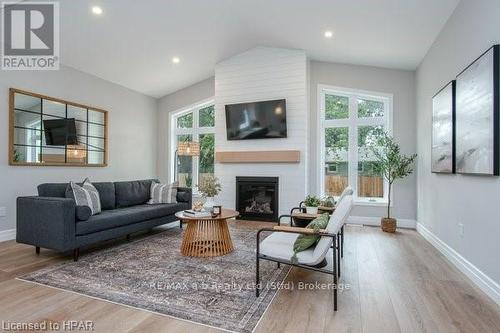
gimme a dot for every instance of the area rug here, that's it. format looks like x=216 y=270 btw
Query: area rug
x=151 y=274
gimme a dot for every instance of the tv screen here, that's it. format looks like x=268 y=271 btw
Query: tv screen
x=60 y=132
x=258 y=120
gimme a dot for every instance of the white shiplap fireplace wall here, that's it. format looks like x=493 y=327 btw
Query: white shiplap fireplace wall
x=257 y=75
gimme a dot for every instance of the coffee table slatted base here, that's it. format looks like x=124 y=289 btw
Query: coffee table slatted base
x=206 y=238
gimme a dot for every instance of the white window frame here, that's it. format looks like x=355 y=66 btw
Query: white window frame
x=352 y=122
x=195 y=132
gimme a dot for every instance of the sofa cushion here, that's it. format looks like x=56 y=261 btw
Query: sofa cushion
x=53 y=190
x=58 y=190
x=107 y=194
x=123 y=216
x=133 y=193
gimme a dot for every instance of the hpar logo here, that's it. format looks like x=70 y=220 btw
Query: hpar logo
x=30 y=37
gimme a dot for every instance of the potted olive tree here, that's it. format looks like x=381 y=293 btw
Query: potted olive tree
x=312 y=202
x=392 y=165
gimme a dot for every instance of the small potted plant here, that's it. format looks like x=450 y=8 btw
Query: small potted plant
x=209 y=187
x=328 y=201
x=327 y=204
x=392 y=165
x=312 y=202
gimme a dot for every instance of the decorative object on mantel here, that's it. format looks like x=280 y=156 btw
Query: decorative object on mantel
x=266 y=156
x=478 y=116
x=209 y=187
x=47 y=131
x=312 y=202
x=391 y=164
x=443 y=130
x=185 y=148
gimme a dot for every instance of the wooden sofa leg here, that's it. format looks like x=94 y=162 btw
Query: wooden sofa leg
x=37 y=249
x=76 y=254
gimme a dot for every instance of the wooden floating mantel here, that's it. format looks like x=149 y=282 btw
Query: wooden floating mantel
x=266 y=156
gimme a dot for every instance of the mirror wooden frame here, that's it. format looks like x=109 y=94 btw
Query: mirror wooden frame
x=12 y=143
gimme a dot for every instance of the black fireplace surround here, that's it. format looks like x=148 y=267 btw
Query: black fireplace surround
x=257 y=198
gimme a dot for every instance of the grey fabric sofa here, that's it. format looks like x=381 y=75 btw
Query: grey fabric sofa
x=50 y=220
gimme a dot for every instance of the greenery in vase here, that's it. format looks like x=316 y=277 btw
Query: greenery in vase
x=328 y=201
x=17 y=156
x=209 y=186
x=312 y=201
x=189 y=180
x=391 y=163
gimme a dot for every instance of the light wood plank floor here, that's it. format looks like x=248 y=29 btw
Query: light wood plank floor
x=398 y=283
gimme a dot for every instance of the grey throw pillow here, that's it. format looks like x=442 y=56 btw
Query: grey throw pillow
x=85 y=195
x=163 y=193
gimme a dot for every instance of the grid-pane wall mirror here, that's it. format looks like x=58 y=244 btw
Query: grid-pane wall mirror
x=47 y=131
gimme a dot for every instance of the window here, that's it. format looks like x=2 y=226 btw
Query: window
x=350 y=122
x=196 y=123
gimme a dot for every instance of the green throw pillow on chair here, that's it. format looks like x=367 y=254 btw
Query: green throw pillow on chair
x=303 y=242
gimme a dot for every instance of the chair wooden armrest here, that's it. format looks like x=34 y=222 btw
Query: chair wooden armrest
x=298 y=230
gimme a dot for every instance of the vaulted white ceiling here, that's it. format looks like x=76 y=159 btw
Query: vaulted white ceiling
x=132 y=42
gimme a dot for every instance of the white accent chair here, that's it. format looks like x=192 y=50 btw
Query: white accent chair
x=347 y=191
x=278 y=246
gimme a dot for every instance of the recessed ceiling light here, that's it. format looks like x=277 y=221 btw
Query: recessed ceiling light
x=328 y=34
x=97 y=10
x=176 y=60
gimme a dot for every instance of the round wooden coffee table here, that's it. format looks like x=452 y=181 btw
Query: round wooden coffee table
x=207 y=236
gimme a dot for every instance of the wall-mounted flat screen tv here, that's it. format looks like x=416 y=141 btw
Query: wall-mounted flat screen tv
x=257 y=120
x=60 y=132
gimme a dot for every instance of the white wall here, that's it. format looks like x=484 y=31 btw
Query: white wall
x=256 y=75
x=132 y=133
x=171 y=103
x=399 y=83
x=444 y=201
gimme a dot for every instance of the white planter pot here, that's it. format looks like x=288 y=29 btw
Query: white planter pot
x=209 y=203
x=312 y=210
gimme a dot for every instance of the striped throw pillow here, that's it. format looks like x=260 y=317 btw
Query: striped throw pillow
x=163 y=193
x=86 y=195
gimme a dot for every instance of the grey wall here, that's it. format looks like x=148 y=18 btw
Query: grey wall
x=444 y=201
x=132 y=133
x=171 y=103
x=397 y=82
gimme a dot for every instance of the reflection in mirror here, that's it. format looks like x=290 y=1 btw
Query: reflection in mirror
x=96 y=117
x=26 y=154
x=55 y=109
x=77 y=113
x=76 y=154
x=96 y=130
x=53 y=155
x=28 y=136
x=27 y=103
x=96 y=157
x=96 y=143
x=26 y=119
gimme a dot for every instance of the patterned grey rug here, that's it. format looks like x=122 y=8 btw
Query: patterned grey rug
x=151 y=274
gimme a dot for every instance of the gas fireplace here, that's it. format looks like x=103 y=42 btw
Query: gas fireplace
x=257 y=198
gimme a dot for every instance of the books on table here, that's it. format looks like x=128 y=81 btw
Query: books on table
x=192 y=213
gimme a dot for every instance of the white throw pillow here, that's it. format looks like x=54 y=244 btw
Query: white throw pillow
x=163 y=193
x=86 y=195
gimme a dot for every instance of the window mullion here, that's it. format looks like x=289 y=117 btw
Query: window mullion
x=353 y=143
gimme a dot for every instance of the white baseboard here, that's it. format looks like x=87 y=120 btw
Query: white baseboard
x=7 y=235
x=484 y=282
x=375 y=221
